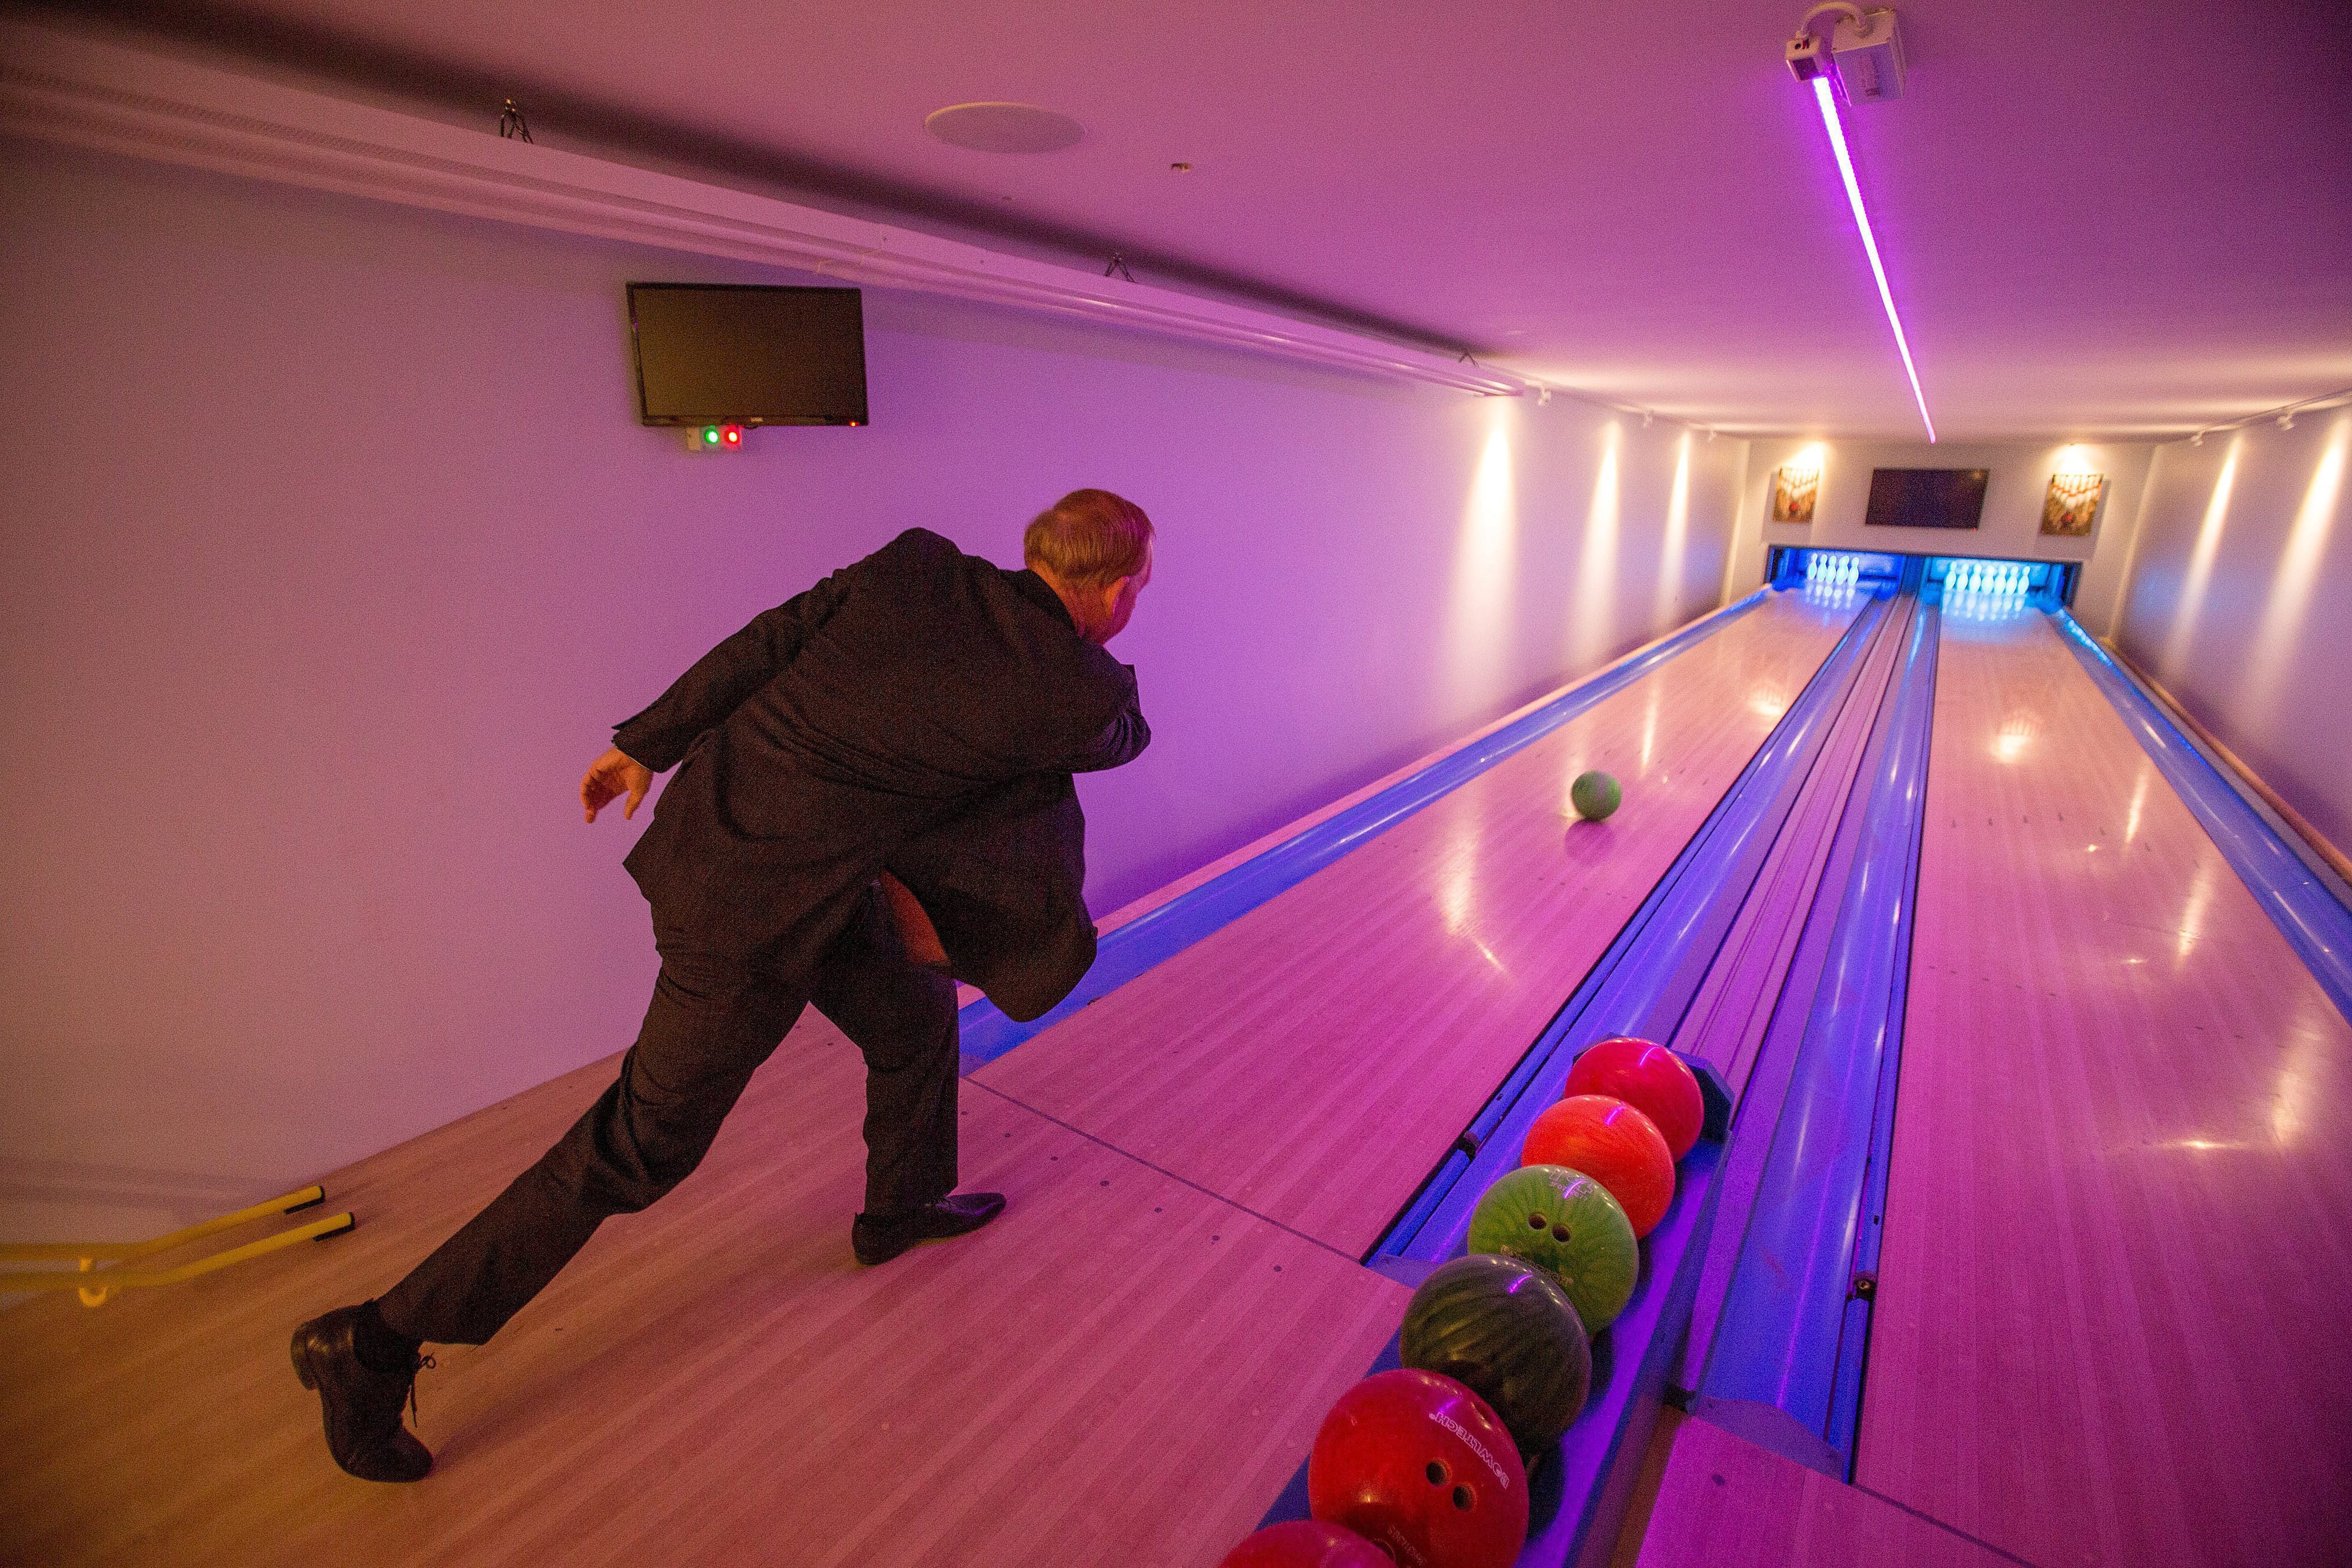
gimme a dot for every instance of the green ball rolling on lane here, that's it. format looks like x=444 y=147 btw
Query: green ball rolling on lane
x=1594 y=795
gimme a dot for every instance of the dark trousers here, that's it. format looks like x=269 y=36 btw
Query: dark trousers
x=711 y=1023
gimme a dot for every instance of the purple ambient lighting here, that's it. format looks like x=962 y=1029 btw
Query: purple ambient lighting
x=1869 y=242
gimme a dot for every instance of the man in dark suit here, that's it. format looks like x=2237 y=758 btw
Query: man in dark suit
x=872 y=795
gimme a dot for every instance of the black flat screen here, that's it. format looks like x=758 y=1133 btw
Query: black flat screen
x=719 y=353
x=1926 y=497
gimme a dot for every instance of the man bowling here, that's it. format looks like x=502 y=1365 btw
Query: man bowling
x=873 y=794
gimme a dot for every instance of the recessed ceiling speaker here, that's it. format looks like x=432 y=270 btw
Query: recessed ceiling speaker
x=1003 y=128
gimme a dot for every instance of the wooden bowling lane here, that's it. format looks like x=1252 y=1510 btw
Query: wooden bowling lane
x=1312 y=1060
x=2116 y=1286
x=1723 y=1502
x=1120 y=1370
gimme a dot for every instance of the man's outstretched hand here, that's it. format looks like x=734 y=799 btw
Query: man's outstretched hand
x=609 y=778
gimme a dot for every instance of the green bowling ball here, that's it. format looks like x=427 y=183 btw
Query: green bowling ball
x=1595 y=796
x=1563 y=1221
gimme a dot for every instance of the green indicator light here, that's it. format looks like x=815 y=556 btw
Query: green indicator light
x=711 y=435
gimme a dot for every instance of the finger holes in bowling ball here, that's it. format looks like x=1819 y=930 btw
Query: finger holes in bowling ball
x=1437 y=1472
x=1464 y=1498
x=1537 y=1222
x=1559 y=1233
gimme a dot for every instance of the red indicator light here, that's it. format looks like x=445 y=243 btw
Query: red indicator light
x=734 y=436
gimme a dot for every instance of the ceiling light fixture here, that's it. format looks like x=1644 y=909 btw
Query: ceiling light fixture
x=1805 y=56
x=2284 y=415
x=1003 y=128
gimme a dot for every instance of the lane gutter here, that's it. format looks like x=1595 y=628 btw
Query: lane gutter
x=1785 y=1362
x=2304 y=907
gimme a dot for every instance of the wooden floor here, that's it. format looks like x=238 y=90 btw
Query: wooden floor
x=1723 y=1502
x=1313 y=1060
x=1124 y=1369
x=2114 y=1307
x=1120 y=1370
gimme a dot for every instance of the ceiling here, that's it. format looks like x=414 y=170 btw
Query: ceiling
x=2100 y=219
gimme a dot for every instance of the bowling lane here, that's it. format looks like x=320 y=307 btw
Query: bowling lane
x=2116 y=1288
x=1313 y=1060
x=1121 y=1370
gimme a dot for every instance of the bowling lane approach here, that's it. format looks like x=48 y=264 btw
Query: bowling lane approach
x=2116 y=1289
x=1312 y=1060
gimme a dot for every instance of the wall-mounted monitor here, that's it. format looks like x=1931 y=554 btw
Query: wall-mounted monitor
x=718 y=353
x=1926 y=497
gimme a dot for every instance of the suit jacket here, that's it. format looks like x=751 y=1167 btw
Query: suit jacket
x=922 y=712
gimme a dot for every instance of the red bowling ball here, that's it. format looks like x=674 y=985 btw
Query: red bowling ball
x=1613 y=1143
x=1651 y=1079
x=1419 y=1465
x=1305 y=1543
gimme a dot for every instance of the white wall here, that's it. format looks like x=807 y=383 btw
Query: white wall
x=332 y=550
x=2240 y=602
x=2011 y=528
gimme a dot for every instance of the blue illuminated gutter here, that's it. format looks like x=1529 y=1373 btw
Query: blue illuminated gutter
x=2303 y=906
x=1785 y=1364
x=1159 y=934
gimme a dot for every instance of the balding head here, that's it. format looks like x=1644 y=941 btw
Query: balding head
x=1094 y=549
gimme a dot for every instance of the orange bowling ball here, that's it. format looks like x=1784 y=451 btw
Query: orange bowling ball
x=1613 y=1143
x=1651 y=1079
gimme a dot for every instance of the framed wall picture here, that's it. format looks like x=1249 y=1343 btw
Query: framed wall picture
x=2072 y=503
x=1793 y=493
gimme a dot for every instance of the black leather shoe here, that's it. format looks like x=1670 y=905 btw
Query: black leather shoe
x=362 y=1405
x=878 y=1237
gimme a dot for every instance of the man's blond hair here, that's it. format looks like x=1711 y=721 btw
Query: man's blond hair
x=1089 y=539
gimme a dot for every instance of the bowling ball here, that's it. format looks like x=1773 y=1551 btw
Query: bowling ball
x=1595 y=796
x=1305 y=1543
x=1651 y=1079
x=1418 y=1464
x=1566 y=1223
x=1504 y=1330
x=1614 y=1145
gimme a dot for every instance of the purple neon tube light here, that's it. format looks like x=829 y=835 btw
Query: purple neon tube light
x=1823 y=95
